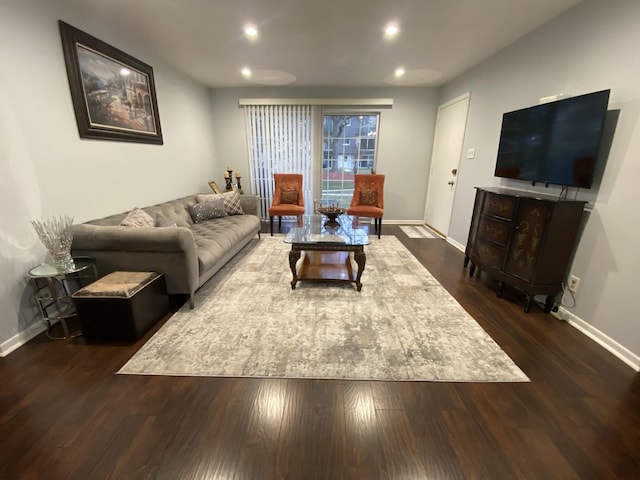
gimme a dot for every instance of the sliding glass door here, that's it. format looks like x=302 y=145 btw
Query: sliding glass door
x=348 y=147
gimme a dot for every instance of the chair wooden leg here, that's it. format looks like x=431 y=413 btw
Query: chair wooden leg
x=271 y=223
x=379 y=227
x=280 y=224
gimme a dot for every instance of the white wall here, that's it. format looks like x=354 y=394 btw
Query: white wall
x=593 y=46
x=46 y=169
x=404 y=143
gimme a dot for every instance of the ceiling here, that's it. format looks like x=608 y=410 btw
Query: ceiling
x=323 y=42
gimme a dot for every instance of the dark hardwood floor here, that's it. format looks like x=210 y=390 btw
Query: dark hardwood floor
x=64 y=414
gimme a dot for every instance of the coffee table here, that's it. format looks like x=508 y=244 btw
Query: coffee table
x=327 y=250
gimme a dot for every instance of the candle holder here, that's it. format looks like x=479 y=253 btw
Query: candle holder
x=228 y=177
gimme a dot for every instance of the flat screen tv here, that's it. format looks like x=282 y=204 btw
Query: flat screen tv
x=556 y=142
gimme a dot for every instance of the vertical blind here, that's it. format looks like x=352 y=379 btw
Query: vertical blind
x=279 y=140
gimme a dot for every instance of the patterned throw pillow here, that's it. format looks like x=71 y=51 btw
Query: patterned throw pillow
x=232 y=203
x=206 y=197
x=207 y=210
x=231 y=200
x=289 y=196
x=138 y=218
x=369 y=197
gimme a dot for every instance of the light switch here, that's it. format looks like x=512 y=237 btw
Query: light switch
x=471 y=153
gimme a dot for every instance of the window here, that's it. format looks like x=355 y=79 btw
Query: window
x=349 y=147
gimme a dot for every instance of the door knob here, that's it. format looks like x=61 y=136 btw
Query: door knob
x=450 y=182
x=454 y=171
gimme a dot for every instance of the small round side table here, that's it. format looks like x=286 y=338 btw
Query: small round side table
x=54 y=288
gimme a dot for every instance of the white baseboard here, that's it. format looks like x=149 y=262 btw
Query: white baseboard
x=599 y=337
x=402 y=222
x=21 y=338
x=458 y=245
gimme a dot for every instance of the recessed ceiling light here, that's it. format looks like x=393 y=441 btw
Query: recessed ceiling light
x=399 y=72
x=246 y=72
x=250 y=31
x=391 y=30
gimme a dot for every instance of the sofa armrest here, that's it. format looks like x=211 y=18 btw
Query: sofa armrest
x=168 y=250
x=134 y=239
x=250 y=204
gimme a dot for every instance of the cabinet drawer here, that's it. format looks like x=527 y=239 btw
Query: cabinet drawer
x=499 y=205
x=494 y=231
x=490 y=255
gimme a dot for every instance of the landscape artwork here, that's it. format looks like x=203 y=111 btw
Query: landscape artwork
x=117 y=96
x=113 y=93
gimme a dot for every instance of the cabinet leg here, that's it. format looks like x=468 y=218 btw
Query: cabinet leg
x=527 y=304
x=472 y=270
x=466 y=261
x=548 y=304
x=500 y=289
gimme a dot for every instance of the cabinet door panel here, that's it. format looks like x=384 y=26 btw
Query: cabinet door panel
x=530 y=225
x=499 y=205
x=490 y=255
x=494 y=231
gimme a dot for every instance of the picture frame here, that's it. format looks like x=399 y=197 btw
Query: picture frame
x=113 y=93
x=214 y=186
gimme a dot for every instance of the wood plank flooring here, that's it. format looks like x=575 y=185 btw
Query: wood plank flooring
x=64 y=414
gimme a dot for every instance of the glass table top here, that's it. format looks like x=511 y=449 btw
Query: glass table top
x=313 y=230
x=50 y=270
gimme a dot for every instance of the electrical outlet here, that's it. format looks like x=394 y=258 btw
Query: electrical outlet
x=573 y=283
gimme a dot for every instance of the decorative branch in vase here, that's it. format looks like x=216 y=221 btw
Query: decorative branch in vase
x=56 y=235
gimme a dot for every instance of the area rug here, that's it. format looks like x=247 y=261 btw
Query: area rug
x=248 y=322
x=417 y=231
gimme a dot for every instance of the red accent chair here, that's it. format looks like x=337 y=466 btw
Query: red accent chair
x=288 y=197
x=368 y=198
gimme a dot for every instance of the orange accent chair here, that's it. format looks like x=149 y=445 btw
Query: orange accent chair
x=288 y=197
x=368 y=198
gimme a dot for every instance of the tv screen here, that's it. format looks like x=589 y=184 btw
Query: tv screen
x=555 y=142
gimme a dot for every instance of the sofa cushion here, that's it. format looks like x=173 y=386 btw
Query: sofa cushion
x=162 y=221
x=214 y=239
x=138 y=218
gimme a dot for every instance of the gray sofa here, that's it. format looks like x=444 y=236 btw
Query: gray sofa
x=188 y=254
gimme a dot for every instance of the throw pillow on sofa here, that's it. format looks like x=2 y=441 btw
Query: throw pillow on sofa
x=213 y=208
x=138 y=218
x=232 y=204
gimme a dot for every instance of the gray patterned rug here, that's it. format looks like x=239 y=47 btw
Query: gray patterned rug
x=248 y=322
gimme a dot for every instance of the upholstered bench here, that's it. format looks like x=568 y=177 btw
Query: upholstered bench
x=121 y=306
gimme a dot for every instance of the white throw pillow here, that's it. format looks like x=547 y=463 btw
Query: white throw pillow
x=138 y=218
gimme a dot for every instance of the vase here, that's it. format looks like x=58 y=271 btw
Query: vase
x=62 y=260
x=56 y=235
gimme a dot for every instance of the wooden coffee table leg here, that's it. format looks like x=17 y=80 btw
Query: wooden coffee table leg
x=360 y=258
x=294 y=256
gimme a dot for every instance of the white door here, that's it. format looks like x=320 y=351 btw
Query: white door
x=451 y=123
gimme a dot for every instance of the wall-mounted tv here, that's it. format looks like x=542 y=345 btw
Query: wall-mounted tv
x=556 y=142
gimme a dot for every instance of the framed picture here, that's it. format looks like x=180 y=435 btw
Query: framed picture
x=214 y=186
x=113 y=94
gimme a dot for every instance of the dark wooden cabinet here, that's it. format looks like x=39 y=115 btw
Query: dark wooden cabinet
x=524 y=240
